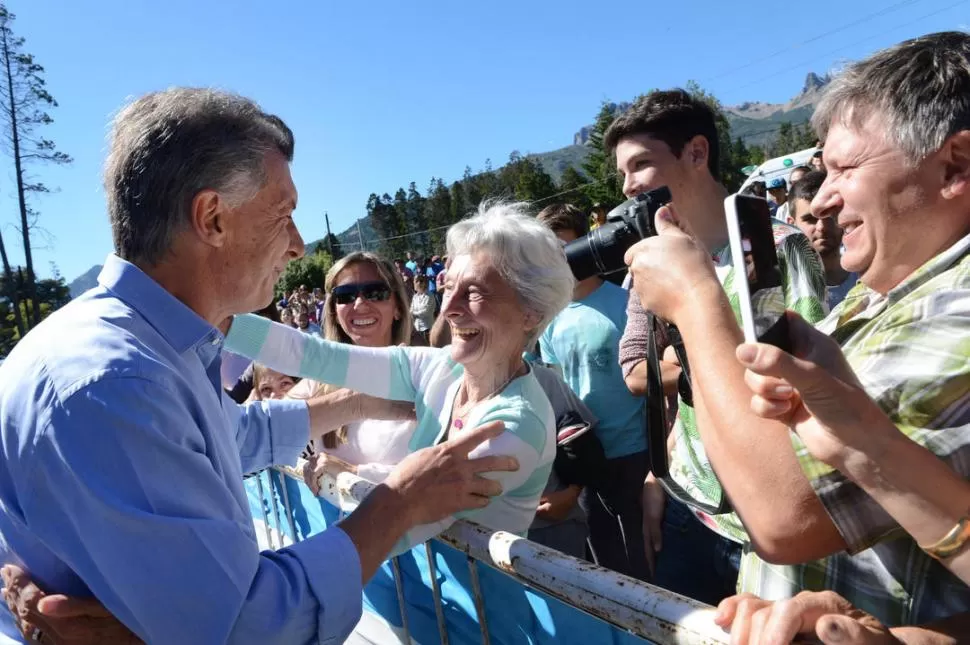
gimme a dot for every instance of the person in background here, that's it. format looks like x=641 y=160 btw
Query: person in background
x=826 y=237
x=368 y=307
x=122 y=484
x=412 y=264
x=287 y=317
x=757 y=188
x=422 y=308
x=597 y=216
x=270 y=385
x=816 y=162
x=669 y=138
x=407 y=276
x=560 y=521
x=796 y=175
x=583 y=340
x=319 y=299
x=434 y=269
x=303 y=322
x=778 y=198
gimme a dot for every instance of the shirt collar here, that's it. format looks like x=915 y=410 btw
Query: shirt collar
x=180 y=326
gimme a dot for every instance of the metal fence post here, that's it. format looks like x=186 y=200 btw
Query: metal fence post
x=479 y=600
x=262 y=509
x=401 y=598
x=439 y=610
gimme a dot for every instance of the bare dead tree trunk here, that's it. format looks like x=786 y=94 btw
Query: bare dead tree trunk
x=31 y=286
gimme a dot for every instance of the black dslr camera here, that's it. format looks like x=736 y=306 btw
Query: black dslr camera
x=601 y=252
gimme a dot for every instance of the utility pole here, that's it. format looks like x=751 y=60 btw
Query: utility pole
x=326 y=216
x=360 y=236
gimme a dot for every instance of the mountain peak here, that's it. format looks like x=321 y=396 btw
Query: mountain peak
x=814 y=82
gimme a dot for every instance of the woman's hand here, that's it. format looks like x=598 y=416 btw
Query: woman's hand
x=824 y=614
x=320 y=464
x=815 y=392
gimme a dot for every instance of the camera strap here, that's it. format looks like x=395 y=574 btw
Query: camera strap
x=655 y=415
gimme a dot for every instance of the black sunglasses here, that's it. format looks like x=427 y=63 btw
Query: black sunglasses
x=371 y=291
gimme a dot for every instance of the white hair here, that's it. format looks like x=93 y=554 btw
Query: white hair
x=526 y=253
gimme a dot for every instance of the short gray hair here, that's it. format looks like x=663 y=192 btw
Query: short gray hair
x=527 y=254
x=920 y=86
x=167 y=146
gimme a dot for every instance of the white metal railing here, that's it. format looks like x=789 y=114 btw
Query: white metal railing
x=639 y=608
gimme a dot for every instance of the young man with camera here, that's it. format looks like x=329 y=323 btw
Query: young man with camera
x=897 y=150
x=670 y=139
x=583 y=341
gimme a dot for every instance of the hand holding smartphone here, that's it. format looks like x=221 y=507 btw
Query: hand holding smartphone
x=756 y=270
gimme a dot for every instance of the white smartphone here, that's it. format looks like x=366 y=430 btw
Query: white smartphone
x=756 y=269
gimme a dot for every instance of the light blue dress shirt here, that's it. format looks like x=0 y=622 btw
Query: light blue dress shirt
x=121 y=465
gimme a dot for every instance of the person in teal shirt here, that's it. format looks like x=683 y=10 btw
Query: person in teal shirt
x=583 y=340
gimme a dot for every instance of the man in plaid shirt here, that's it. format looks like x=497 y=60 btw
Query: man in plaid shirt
x=897 y=151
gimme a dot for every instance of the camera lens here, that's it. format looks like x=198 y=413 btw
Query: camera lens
x=601 y=252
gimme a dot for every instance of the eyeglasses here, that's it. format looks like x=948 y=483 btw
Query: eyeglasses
x=371 y=291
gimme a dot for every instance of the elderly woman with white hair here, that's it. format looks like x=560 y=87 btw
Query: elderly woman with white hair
x=507 y=278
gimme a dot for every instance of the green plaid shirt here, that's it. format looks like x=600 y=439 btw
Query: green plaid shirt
x=802 y=291
x=911 y=351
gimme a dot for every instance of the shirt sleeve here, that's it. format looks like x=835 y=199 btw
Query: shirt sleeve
x=633 y=343
x=916 y=369
x=386 y=372
x=123 y=490
x=269 y=433
x=545 y=347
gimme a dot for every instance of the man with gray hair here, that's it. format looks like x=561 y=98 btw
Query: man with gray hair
x=897 y=149
x=121 y=458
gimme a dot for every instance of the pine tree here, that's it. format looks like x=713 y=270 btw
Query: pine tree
x=571 y=184
x=24 y=101
x=459 y=208
x=437 y=211
x=600 y=167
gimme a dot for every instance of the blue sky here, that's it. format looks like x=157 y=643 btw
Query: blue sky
x=385 y=92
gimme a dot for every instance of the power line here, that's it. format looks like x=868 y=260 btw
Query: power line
x=866 y=18
x=854 y=44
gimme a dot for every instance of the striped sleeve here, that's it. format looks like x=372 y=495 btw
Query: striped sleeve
x=384 y=372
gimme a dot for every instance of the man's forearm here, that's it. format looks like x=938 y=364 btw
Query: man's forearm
x=753 y=457
x=375 y=527
x=919 y=490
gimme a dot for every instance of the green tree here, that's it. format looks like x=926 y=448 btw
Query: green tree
x=784 y=142
x=310 y=270
x=438 y=209
x=24 y=102
x=459 y=208
x=416 y=220
x=600 y=166
x=571 y=183
x=729 y=168
x=52 y=294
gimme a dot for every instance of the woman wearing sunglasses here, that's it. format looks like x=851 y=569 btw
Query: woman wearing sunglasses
x=366 y=305
x=507 y=278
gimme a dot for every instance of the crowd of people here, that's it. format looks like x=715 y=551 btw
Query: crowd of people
x=818 y=492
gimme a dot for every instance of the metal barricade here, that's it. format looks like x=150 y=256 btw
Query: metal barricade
x=636 y=607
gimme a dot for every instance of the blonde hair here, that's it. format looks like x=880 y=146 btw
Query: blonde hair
x=400 y=328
